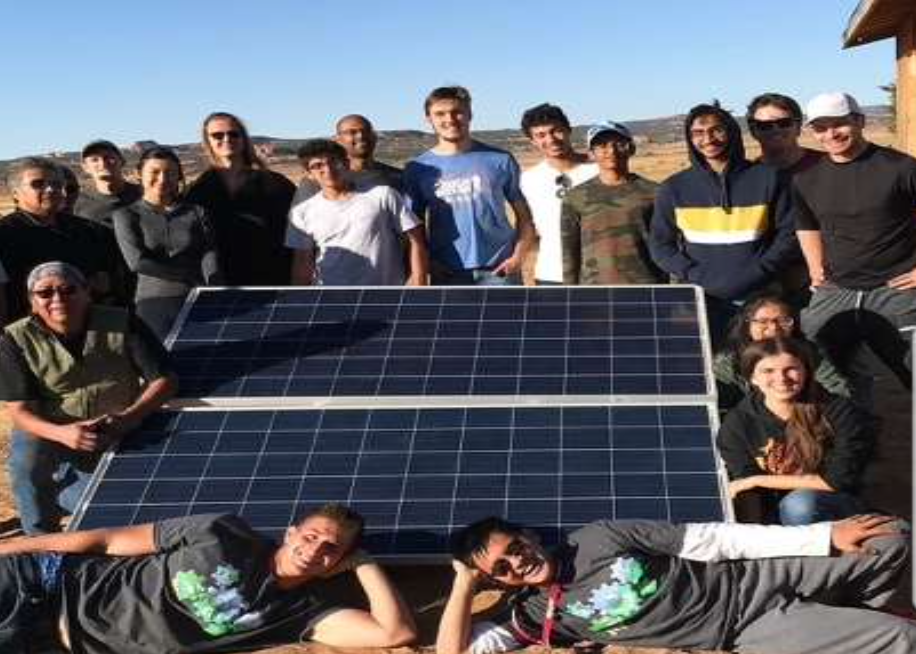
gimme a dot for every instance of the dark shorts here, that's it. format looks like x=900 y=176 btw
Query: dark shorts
x=27 y=610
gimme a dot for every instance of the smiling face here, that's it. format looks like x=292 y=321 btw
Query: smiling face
x=161 y=180
x=40 y=192
x=770 y=321
x=226 y=140
x=60 y=304
x=709 y=136
x=313 y=547
x=357 y=136
x=514 y=560
x=780 y=377
x=552 y=140
x=776 y=128
x=450 y=120
x=841 y=138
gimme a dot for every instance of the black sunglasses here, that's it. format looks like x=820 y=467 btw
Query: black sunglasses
x=230 y=134
x=42 y=184
x=47 y=293
x=770 y=125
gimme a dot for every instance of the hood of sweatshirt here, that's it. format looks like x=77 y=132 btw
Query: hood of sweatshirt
x=735 y=148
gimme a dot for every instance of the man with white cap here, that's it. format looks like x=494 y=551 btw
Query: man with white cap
x=76 y=377
x=605 y=221
x=855 y=220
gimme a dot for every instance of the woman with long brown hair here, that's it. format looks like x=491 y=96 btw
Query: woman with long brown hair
x=789 y=444
x=247 y=202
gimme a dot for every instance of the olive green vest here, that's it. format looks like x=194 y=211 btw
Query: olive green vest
x=103 y=380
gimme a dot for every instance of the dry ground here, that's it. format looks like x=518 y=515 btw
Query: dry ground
x=889 y=486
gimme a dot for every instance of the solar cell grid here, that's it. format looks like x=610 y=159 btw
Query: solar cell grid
x=416 y=474
x=436 y=342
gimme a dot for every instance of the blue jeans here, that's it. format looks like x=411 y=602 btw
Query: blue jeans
x=47 y=480
x=477 y=277
x=804 y=507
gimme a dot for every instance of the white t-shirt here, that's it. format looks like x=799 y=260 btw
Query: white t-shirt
x=358 y=239
x=539 y=184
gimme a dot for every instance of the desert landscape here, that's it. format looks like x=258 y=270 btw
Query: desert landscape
x=659 y=154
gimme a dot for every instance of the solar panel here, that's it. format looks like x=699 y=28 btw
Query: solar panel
x=416 y=474
x=472 y=343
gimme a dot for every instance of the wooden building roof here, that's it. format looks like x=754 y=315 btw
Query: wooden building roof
x=874 y=20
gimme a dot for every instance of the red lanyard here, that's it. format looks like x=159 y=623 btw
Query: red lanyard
x=554 y=597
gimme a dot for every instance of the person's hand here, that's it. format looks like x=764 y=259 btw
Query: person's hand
x=82 y=436
x=349 y=562
x=818 y=278
x=738 y=486
x=465 y=574
x=115 y=426
x=508 y=267
x=849 y=535
x=904 y=281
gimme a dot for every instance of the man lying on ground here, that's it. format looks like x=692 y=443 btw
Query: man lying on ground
x=205 y=583
x=748 y=588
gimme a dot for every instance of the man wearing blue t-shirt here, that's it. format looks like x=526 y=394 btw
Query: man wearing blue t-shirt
x=461 y=187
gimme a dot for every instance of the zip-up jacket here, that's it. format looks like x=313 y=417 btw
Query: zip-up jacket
x=728 y=233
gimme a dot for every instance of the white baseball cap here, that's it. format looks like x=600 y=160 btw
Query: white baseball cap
x=831 y=105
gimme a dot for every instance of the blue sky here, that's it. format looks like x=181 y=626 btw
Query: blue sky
x=129 y=71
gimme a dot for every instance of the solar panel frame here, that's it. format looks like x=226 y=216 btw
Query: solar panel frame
x=592 y=369
x=485 y=454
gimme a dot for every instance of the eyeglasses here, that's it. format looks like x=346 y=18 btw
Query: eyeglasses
x=772 y=125
x=564 y=183
x=221 y=136
x=785 y=322
x=716 y=131
x=50 y=291
x=42 y=184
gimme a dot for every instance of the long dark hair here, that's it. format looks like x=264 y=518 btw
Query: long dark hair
x=808 y=432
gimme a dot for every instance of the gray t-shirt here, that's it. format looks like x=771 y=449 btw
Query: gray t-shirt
x=358 y=239
x=209 y=588
x=624 y=583
x=100 y=207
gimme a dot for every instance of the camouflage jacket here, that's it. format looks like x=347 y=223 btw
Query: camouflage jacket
x=604 y=232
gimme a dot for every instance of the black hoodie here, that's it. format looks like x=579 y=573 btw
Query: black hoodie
x=729 y=232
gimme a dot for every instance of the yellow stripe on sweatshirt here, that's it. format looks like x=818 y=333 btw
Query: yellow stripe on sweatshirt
x=713 y=225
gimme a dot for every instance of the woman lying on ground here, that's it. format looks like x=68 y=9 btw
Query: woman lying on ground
x=794 y=453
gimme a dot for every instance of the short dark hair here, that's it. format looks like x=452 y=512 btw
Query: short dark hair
x=349 y=520
x=457 y=93
x=99 y=146
x=472 y=540
x=543 y=114
x=784 y=102
x=314 y=148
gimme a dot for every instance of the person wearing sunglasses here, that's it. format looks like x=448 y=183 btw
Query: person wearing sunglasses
x=605 y=221
x=765 y=317
x=168 y=243
x=546 y=184
x=709 y=586
x=725 y=223
x=77 y=377
x=247 y=202
x=854 y=215
x=40 y=229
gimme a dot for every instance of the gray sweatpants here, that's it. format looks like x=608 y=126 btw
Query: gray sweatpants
x=812 y=605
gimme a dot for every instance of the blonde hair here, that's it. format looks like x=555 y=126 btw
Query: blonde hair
x=249 y=155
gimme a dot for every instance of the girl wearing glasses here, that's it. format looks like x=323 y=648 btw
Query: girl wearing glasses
x=249 y=205
x=765 y=317
x=168 y=243
x=794 y=453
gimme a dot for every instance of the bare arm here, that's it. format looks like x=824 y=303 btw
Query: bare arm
x=122 y=541
x=524 y=243
x=303 y=272
x=388 y=623
x=153 y=396
x=813 y=248
x=82 y=435
x=418 y=255
x=454 y=635
x=779 y=482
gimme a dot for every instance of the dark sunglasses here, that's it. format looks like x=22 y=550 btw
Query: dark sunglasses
x=42 y=184
x=770 y=125
x=220 y=136
x=564 y=183
x=47 y=293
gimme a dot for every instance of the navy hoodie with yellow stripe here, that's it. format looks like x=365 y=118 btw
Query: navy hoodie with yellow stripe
x=730 y=232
